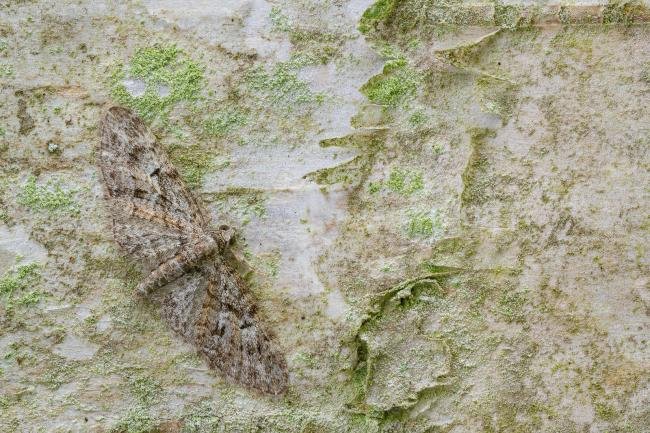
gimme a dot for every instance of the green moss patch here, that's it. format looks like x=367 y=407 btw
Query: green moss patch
x=51 y=197
x=510 y=306
x=397 y=84
x=17 y=285
x=405 y=182
x=378 y=13
x=224 y=122
x=281 y=86
x=422 y=224
x=169 y=78
x=193 y=163
x=475 y=181
x=625 y=12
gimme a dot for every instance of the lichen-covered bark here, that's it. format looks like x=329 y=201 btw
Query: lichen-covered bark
x=442 y=209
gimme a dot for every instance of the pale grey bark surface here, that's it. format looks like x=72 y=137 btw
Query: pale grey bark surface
x=444 y=219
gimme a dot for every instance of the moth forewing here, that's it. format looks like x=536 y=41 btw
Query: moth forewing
x=156 y=217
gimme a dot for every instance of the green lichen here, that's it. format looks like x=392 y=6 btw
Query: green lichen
x=110 y=266
x=405 y=20
x=645 y=73
x=367 y=142
x=58 y=372
x=7 y=71
x=279 y=21
x=417 y=118
x=510 y=306
x=376 y=340
x=201 y=418
x=312 y=45
x=268 y=263
x=169 y=77
x=605 y=411
x=624 y=12
x=475 y=181
x=374 y=187
x=572 y=42
x=404 y=181
x=422 y=224
x=416 y=343
x=432 y=329
x=317 y=47
x=397 y=85
x=51 y=197
x=507 y=16
x=224 y=122
x=193 y=162
x=376 y=14
x=281 y=86
x=353 y=173
x=438 y=148
x=522 y=414
x=241 y=203
x=146 y=389
x=137 y=420
x=17 y=285
x=347 y=174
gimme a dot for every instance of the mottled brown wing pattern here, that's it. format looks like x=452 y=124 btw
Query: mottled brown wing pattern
x=181 y=307
x=145 y=234
x=157 y=218
x=135 y=167
x=231 y=337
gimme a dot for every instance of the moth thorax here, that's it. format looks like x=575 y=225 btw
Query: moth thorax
x=224 y=235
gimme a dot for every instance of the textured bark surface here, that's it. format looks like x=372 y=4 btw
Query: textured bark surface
x=441 y=210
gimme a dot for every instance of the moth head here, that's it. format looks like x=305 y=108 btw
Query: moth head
x=224 y=235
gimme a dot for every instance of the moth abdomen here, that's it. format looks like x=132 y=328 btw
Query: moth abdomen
x=188 y=258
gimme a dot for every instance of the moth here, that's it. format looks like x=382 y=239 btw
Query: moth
x=158 y=220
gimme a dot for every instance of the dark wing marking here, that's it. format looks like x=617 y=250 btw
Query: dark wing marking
x=229 y=334
x=135 y=166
